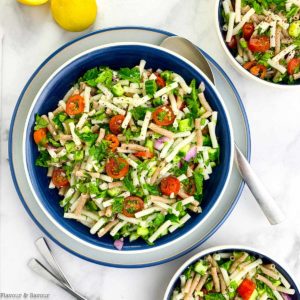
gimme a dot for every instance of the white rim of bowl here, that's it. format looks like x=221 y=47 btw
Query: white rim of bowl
x=237 y=65
x=218 y=249
x=60 y=227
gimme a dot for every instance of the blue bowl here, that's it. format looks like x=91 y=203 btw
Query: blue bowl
x=175 y=281
x=230 y=54
x=117 y=56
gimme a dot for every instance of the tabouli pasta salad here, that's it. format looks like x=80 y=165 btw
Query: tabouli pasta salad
x=264 y=37
x=236 y=275
x=129 y=151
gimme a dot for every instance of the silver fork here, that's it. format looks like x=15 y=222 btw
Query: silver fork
x=55 y=273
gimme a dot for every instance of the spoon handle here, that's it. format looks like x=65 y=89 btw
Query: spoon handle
x=262 y=196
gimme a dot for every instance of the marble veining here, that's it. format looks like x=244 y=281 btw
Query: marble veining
x=30 y=36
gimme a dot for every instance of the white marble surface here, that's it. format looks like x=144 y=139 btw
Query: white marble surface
x=30 y=35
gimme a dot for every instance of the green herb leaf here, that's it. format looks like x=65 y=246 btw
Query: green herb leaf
x=91 y=205
x=133 y=75
x=99 y=152
x=88 y=137
x=43 y=159
x=138 y=113
x=40 y=122
x=117 y=205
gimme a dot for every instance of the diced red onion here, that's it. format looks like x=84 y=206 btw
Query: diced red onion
x=159 y=143
x=191 y=154
x=286 y=296
x=119 y=244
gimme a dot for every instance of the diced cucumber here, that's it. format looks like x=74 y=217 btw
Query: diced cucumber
x=214 y=154
x=157 y=102
x=209 y=285
x=254 y=295
x=70 y=147
x=202 y=111
x=133 y=237
x=150 y=145
x=114 y=192
x=117 y=90
x=294 y=29
x=78 y=156
x=176 y=159
x=200 y=267
x=165 y=232
x=185 y=125
x=142 y=231
x=166 y=75
x=85 y=129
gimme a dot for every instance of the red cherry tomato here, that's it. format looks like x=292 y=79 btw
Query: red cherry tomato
x=233 y=43
x=169 y=185
x=113 y=141
x=293 y=66
x=259 y=71
x=132 y=205
x=117 y=167
x=115 y=124
x=246 y=289
x=248 y=30
x=59 y=178
x=163 y=116
x=75 y=105
x=144 y=154
x=40 y=136
x=160 y=81
x=259 y=43
x=248 y=65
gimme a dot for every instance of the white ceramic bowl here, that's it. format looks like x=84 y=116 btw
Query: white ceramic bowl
x=230 y=248
x=234 y=63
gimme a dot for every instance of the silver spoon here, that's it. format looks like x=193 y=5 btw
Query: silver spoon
x=269 y=207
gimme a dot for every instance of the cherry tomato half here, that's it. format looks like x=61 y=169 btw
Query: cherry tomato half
x=160 y=81
x=259 y=71
x=163 y=116
x=248 y=30
x=115 y=124
x=113 y=141
x=40 y=136
x=293 y=66
x=259 y=43
x=169 y=185
x=248 y=65
x=144 y=154
x=59 y=178
x=75 y=105
x=117 y=167
x=246 y=289
x=132 y=205
x=233 y=43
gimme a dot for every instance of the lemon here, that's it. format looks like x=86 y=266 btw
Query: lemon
x=74 y=15
x=32 y=2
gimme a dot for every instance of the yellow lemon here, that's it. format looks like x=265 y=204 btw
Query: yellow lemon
x=74 y=15
x=32 y=2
